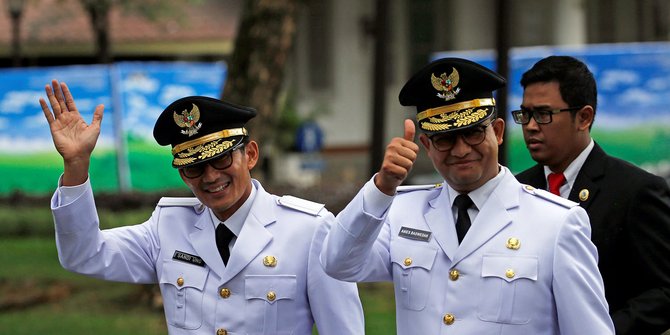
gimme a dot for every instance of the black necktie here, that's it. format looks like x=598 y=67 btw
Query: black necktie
x=462 y=202
x=223 y=238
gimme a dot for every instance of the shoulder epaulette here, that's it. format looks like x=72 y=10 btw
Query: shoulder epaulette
x=302 y=205
x=179 y=202
x=549 y=196
x=410 y=188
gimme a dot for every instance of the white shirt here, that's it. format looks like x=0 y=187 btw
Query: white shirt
x=571 y=171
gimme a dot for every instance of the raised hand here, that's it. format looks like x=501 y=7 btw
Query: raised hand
x=399 y=158
x=73 y=137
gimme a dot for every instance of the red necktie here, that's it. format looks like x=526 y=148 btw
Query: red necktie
x=555 y=182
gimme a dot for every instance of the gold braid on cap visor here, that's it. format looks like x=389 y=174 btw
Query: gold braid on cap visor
x=454 y=107
x=454 y=115
x=205 y=146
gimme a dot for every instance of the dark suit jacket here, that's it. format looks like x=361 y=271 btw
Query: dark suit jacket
x=629 y=210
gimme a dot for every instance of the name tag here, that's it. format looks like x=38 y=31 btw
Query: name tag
x=414 y=234
x=188 y=258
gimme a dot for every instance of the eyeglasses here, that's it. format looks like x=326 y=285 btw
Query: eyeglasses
x=221 y=163
x=473 y=136
x=541 y=116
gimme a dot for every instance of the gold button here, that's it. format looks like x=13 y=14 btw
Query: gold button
x=448 y=319
x=408 y=261
x=272 y=296
x=270 y=261
x=221 y=331
x=510 y=273
x=530 y=188
x=454 y=274
x=513 y=243
x=180 y=281
x=224 y=293
x=584 y=195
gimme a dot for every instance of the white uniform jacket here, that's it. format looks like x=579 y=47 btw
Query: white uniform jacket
x=526 y=266
x=273 y=283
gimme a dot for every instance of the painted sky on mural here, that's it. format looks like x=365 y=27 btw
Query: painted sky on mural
x=633 y=79
x=134 y=93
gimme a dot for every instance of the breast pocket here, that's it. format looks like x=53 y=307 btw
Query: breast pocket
x=412 y=263
x=509 y=284
x=182 y=286
x=271 y=306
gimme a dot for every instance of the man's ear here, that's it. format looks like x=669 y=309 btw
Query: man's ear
x=585 y=117
x=252 y=153
x=498 y=125
x=425 y=141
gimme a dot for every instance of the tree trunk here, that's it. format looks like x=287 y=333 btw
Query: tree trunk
x=256 y=69
x=98 y=12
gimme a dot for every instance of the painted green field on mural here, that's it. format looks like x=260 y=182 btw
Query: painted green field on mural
x=150 y=168
x=642 y=146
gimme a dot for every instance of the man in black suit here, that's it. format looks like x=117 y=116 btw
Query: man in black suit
x=629 y=208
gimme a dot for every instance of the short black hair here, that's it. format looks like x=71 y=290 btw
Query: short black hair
x=576 y=82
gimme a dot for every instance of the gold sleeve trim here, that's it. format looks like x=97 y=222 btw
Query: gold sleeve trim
x=454 y=107
x=208 y=138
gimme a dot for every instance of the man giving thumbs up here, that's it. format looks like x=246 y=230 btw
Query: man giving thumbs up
x=480 y=253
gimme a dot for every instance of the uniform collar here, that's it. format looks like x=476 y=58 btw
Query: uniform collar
x=236 y=221
x=481 y=194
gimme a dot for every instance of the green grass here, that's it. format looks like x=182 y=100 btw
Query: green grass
x=85 y=306
x=37 y=221
x=92 y=306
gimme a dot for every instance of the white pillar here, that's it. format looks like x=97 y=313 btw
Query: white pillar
x=569 y=22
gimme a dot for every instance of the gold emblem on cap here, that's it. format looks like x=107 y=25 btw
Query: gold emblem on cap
x=446 y=84
x=584 y=195
x=270 y=261
x=513 y=243
x=188 y=120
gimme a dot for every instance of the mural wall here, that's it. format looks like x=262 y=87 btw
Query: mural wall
x=126 y=157
x=633 y=114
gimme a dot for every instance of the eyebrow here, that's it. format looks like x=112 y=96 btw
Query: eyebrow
x=546 y=106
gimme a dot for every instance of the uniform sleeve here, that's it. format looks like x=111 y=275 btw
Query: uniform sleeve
x=121 y=254
x=576 y=274
x=67 y=194
x=648 y=220
x=357 y=245
x=335 y=305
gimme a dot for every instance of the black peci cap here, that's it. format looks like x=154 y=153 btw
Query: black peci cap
x=451 y=94
x=201 y=128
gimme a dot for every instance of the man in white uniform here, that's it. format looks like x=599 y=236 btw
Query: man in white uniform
x=234 y=259
x=481 y=253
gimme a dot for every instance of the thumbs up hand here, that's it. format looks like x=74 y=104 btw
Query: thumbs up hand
x=399 y=158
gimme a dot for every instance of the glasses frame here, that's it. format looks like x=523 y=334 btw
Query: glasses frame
x=228 y=157
x=479 y=129
x=533 y=113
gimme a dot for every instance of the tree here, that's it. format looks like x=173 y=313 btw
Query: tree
x=256 y=69
x=98 y=12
